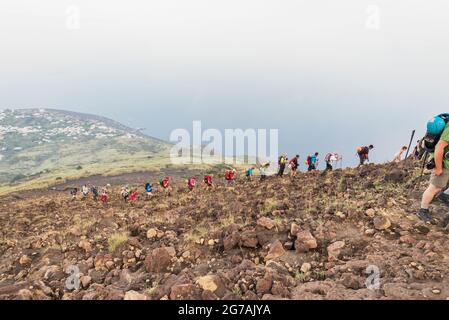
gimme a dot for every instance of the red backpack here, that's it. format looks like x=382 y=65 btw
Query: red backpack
x=208 y=180
x=229 y=175
x=166 y=182
x=309 y=159
x=191 y=183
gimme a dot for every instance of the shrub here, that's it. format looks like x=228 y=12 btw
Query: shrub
x=116 y=240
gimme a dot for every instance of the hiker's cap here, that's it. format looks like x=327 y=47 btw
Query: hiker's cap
x=435 y=126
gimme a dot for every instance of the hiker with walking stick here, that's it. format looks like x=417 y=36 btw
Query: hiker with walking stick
x=398 y=155
x=436 y=143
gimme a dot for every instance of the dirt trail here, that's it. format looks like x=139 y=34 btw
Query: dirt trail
x=312 y=237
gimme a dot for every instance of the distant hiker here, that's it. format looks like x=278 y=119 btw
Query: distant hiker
x=282 y=162
x=165 y=183
x=436 y=143
x=419 y=150
x=148 y=189
x=191 y=183
x=125 y=193
x=249 y=173
x=230 y=176
x=133 y=195
x=94 y=192
x=208 y=180
x=398 y=155
x=85 y=191
x=104 y=195
x=363 y=153
x=262 y=171
x=312 y=162
x=294 y=164
x=73 y=193
x=330 y=158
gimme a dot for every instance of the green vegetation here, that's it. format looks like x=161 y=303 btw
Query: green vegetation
x=116 y=240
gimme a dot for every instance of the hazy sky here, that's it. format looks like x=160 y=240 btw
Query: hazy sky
x=331 y=75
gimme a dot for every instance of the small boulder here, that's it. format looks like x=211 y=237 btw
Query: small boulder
x=84 y=244
x=305 y=267
x=212 y=283
x=134 y=295
x=158 y=260
x=151 y=233
x=305 y=241
x=231 y=241
x=294 y=229
x=249 y=239
x=276 y=251
x=24 y=259
x=85 y=281
x=381 y=223
x=334 y=249
x=266 y=223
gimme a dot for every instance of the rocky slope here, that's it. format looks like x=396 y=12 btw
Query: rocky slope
x=312 y=237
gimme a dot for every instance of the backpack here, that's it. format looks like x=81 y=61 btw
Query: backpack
x=165 y=182
x=229 y=175
x=208 y=180
x=191 y=183
x=430 y=141
x=362 y=150
x=282 y=160
x=148 y=187
x=309 y=160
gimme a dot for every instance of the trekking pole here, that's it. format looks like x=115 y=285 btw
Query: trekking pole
x=424 y=163
x=410 y=144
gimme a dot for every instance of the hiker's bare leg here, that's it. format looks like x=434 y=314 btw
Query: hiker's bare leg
x=428 y=196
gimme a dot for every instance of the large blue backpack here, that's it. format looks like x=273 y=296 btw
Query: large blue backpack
x=432 y=137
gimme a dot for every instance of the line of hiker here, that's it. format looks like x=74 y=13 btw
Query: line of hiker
x=332 y=159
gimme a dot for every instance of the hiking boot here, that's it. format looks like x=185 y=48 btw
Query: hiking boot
x=424 y=215
x=444 y=198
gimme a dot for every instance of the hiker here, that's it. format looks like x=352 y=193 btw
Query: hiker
x=73 y=193
x=262 y=171
x=165 y=184
x=230 y=176
x=294 y=164
x=312 y=162
x=419 y=150
x=398 y=155
x=125 y=193
x=282 y=163
x=436 y=143
x=148 y=189
x=85 y=191
x=208 y=180
x=94 y=191
x=329 y=158
x=249 y=173
x=133 y=195
x=363 y=153
x=104 y=195
x=191 y=183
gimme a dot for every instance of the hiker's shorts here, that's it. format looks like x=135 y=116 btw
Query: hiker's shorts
x=440 y=181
